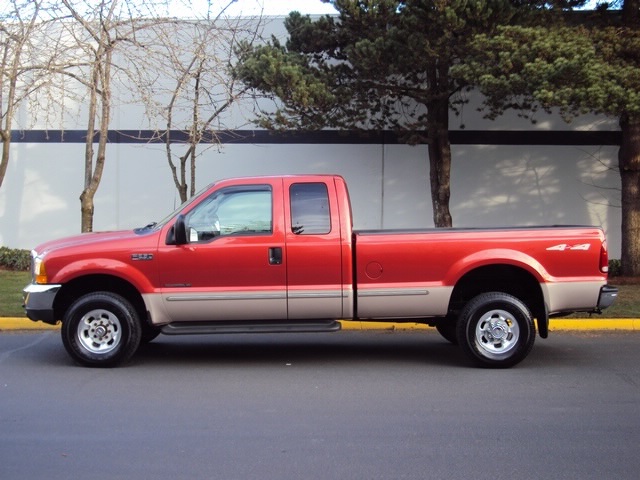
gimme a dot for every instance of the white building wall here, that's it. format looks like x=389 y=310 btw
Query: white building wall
x=492 y=185
x=389 y=185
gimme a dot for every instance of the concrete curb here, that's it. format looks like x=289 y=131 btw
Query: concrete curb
x=596 y=324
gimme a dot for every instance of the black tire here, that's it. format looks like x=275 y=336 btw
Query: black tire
x=496 y=330
x=447 y=327
x=101 y=330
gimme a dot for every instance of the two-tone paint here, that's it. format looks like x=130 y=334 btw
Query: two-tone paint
x=340 y=274
x=413 y=273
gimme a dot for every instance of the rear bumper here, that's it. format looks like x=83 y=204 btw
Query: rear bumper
x=38 y=302
x=608 y=295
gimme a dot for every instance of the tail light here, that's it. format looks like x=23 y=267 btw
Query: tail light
x=604 y=258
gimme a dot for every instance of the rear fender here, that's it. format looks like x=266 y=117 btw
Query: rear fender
x=501 y=256
x=510 y=258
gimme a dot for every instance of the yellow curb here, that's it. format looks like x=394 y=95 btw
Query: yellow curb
x=633 y=324
x=594 y=324
x=14 y=323
x=554 y=324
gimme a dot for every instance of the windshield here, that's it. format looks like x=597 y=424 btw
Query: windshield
x=157 y=225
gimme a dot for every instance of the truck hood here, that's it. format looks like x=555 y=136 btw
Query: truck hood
x=92 y=240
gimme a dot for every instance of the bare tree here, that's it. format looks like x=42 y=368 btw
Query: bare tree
x=18 y=21
x=195 y=59
x=105 y=28
x=100 y=42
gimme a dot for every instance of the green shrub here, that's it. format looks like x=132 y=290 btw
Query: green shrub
x=615 y=268
x=15 y=259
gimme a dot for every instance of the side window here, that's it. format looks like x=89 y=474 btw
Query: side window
x=310 y=209
x=231 y=211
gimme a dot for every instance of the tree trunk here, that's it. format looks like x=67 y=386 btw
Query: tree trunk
x=631 y=12
x=440 y=161
x=86 y=211
x=629 y=163
x=93 y=173
x=4 y=162
x=193 y=171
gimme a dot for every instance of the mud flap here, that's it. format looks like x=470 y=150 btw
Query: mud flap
x=542 y=320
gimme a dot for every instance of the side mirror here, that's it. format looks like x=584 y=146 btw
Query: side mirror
x=178 y=233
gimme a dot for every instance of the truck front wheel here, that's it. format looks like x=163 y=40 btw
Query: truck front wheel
x=496 y=330
x=101 y=330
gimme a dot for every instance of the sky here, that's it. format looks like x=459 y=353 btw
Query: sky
x=267 y=7
x=257 y=7
x=281 y=7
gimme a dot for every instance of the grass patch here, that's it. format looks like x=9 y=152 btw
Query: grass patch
x=11 y=285
x=627 y=305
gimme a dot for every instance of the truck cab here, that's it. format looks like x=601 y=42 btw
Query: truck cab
x=257 y=249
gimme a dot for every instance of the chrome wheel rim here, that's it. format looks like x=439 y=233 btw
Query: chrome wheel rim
x=497 y=333
x=99 y=331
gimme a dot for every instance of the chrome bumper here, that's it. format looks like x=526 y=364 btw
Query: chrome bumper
x=608 y=295
x=38 y=302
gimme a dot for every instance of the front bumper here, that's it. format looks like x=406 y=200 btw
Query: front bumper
x=38 y=302
x=608 y=295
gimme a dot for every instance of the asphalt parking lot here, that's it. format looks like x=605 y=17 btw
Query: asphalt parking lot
x=349 y=405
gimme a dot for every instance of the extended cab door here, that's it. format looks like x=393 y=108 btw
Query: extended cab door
x=233 y=265
x=314 y=250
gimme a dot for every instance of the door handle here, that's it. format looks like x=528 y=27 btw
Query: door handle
x=275 y=256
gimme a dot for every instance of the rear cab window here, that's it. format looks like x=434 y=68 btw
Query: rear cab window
x=310 y=213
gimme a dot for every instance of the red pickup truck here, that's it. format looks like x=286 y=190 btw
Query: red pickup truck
x=278 y=254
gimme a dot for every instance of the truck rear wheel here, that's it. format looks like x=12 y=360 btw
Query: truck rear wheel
x=101 y=330
x=496 y=330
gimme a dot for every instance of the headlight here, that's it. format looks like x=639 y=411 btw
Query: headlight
x=39 y=272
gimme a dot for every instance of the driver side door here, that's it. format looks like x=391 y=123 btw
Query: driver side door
x=233 y=265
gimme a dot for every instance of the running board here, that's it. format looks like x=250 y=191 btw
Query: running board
x=201 y=328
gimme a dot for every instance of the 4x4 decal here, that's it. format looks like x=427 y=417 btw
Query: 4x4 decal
x=564 y=247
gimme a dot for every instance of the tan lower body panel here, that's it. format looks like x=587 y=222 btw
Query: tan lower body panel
x=571 y=296
x=228 y=306
x=403 y=302
x=374 y=303
x=263 y=305
x=309 y=304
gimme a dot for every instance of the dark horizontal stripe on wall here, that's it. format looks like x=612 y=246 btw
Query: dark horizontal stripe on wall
x=457 y=137
x=520 y=137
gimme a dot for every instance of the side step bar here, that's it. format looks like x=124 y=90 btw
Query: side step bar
x=200 y=328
